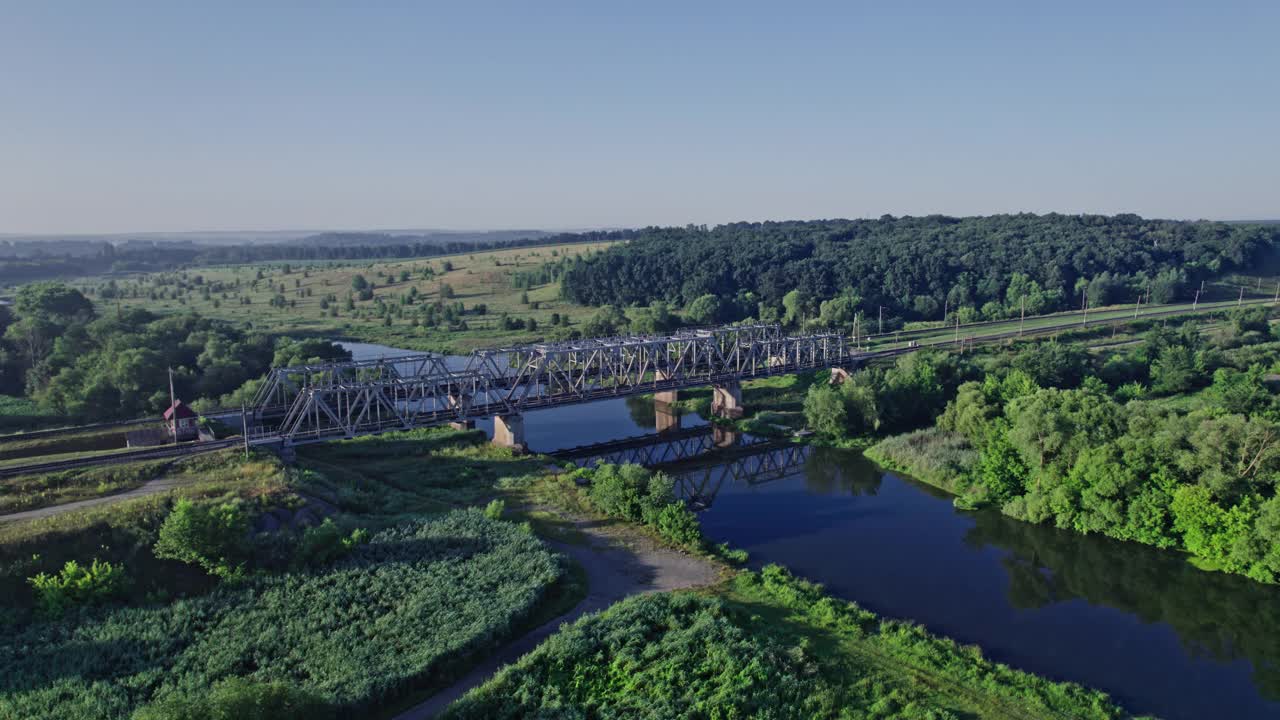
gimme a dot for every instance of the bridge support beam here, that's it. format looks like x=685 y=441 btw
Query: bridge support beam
x=726 y=401
x=508 y=432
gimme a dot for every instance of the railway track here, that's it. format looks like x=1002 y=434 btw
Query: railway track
x=868 y=356
x=158 y=453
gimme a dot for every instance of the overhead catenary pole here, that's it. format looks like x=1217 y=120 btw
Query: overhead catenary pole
x=1195 y=301
x=1022 y=316
x=1240 y=300
x=881 y=330
x=244 y=429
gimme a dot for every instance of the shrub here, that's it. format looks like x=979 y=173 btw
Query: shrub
x=630 y=492
x=326 y=542
x=620 y=490
x=678 y=525
x=494 y=509
x=735 y=556
x=76 y=585
x=240 y=699
x=211 y=536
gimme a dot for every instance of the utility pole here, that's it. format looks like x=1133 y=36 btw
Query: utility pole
x=173 y=409
x=244 y=429
x=945 y=302
x=881 y=330
x=1022 y=317
x=1137 y=306
x=1240 y=300
x=1277 y=300
x=1084 y=305
x=957 y=329
x=1195 y=301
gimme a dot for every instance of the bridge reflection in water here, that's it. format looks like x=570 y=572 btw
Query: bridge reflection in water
x=700 y=460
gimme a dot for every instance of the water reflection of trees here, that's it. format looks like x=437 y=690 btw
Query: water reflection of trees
x=1225 y=617
x=640 y=407
x=829 y=471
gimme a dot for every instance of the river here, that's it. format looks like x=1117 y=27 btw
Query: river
x=1142 y=624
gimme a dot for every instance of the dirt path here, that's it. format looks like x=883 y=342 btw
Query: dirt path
x=152 y=487
x=614 y=571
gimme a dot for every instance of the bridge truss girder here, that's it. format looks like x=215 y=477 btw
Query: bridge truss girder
x=348 y=399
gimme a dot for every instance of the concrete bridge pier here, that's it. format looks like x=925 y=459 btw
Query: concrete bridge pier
x=666 y=416
x=664 y=402
x=723 y=437
x=839 y=375
x=726 y=400
x=508 y=432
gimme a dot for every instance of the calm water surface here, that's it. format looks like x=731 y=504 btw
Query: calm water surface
x=1141 y=624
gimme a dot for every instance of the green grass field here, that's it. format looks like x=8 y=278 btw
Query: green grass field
x=486 y=278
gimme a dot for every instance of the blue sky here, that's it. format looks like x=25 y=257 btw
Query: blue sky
x=132 y=116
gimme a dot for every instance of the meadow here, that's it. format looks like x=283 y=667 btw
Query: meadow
x=472 y=292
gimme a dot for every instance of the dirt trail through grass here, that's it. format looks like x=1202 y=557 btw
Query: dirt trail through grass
x=615 y=569
x=152 y=487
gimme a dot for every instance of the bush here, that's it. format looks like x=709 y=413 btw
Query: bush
x=494 y=509
x=620 y=491
x=240 y=699
x=76 y=585
x=678 y=525
x=324 y=543
x=630 y=492
x=211 y=536
x=732 y=555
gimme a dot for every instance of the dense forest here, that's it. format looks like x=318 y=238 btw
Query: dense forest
x=919 y=267
x=56 y=350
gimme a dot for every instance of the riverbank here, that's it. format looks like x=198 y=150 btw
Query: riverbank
x=806 y=653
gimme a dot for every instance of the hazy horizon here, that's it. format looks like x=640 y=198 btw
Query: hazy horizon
x=147 y=117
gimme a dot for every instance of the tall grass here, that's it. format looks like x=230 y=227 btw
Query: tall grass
x=938 y=457
x=395 y=613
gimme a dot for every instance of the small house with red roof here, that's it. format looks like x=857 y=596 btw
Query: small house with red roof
x=182 y=421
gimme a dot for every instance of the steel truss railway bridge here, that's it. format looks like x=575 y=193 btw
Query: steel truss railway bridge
x=313 y=403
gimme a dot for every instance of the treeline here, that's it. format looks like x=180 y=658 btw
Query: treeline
x=139 y=256
x=1175 y=443
x=56 y=350
x=920 y=267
